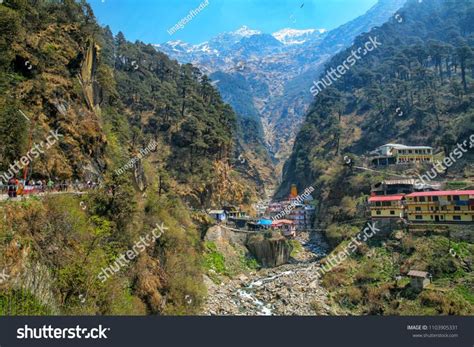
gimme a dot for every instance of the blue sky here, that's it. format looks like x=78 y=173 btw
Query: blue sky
x=149 y=20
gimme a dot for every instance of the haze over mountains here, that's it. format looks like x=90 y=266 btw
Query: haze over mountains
x=274 y=72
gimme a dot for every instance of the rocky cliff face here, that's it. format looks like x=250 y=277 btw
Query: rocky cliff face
x=87 y=76
x=271 y=250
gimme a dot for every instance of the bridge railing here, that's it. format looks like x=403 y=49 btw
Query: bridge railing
x=240 y=230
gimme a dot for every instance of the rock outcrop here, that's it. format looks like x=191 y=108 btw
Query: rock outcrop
x=271 y=249
x=290 y=289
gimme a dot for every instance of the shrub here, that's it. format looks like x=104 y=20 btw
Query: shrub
x=213 y=260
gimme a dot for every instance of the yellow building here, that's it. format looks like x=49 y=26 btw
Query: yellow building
x=407 y=154
x=455 y=206
x=387 y=206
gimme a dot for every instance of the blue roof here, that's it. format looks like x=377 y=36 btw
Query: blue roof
x=265 y=222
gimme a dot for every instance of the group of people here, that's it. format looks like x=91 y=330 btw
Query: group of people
x=16 y=187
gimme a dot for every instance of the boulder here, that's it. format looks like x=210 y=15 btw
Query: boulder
x=270 y=250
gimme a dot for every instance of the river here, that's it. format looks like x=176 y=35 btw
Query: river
x=291 y=289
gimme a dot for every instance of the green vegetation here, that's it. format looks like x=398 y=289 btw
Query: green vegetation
x=296 y=247
x=21 y=303
x=427 y=74
x=249 y=262
x=366 y=282
x=72 y=246
x=109 y=98
x=227 y=260
x=213 y=260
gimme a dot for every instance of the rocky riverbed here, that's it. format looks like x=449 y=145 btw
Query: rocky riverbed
x=290 y=289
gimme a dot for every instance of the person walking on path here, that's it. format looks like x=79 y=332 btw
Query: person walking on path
x=50 y=185
x=12 y=186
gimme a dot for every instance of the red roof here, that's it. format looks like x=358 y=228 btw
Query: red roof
x=442 y=193
x=386 y=198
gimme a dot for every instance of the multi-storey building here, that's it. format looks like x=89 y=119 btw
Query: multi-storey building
x=387 y=206
x=298 y=216
x=452 y=206
x=391 y=154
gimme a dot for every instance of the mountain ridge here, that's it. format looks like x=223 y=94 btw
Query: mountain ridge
x=279 y=76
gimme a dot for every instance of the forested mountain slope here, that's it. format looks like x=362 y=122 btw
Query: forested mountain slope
x=67 y=73
x=416 y=88
x=276 y=75
x=108 y=99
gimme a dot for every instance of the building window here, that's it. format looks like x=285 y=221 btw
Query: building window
x=418 y=209
x=457 y=208
x=457 y=218
x=418 y=217
x=456 y=198
x=435 y=198
x=422 y=199
x=392 y=212
x=379 y=212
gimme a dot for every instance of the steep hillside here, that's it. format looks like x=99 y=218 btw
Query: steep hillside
x=254 y=161
x=109 y=98
x=278 y=68
x=416 y=88
x=154 y=134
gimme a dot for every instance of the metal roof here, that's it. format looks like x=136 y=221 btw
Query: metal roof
x=216 y=212
x=441 y=193
x=265 y=222
x=386 y=198
x=398 y=146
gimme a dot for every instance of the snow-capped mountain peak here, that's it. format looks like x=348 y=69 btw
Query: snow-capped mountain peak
x=205 y=48
x=176 y=46
x=245 y=31
x=290 y=36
